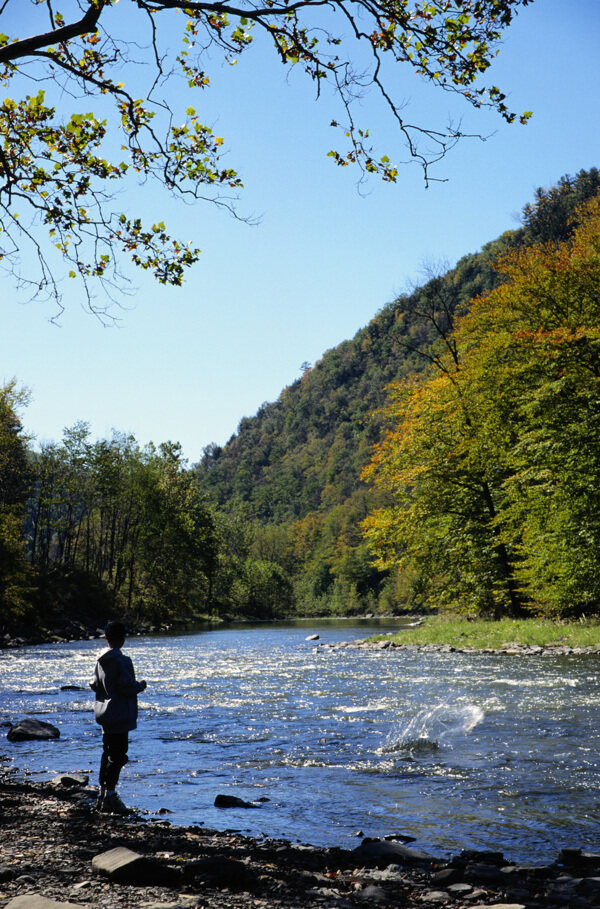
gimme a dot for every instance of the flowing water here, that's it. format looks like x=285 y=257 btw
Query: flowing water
x=456 y=750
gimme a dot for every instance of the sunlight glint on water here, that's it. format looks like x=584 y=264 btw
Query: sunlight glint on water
x=472 y=751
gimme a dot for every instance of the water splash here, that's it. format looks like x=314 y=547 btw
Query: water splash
x=432 y=727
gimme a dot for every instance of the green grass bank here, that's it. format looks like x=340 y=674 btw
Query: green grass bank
x=480 y=634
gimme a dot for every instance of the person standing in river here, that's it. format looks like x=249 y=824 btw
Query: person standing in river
x=115 y=709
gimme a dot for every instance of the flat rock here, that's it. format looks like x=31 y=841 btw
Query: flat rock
x=36 y=901
x=373 y=894
x=183 y=902
x=124 y=866
x=324 y=893
x=499 y=906
x=70 y=780
x=29 y=729
x=459 y=889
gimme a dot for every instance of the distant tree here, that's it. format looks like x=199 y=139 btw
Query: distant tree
x=551 y=214
x=14 y=482
x=61 y=163
x=178 y=548
x=14 y=469
x=131 y=520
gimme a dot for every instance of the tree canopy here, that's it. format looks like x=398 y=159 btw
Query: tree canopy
x=490 y=465
x=61 y=163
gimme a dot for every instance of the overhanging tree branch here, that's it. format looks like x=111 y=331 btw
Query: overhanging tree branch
x=54 y=161
x=88 y=23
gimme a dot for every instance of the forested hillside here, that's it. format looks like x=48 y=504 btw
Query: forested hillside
x=446 y=455
x=294 y=469
x=489 y=474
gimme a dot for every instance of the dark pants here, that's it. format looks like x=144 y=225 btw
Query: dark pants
x=114 y=756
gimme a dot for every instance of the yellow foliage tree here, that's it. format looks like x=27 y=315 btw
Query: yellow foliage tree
x=491 y=465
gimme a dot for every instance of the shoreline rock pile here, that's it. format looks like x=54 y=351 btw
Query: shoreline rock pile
x=506 y=650
x=56 y=851
x=73 y=630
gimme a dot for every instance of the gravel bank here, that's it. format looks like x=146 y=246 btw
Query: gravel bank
x=50 y=836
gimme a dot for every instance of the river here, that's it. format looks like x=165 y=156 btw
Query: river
x=457 y=750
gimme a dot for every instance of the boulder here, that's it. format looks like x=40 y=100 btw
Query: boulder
x=447 y=876
x=486 y=856
x=383 y=849
x=590 y=886
x=29 y=729
x=123 y=866
x=577 y=858
x=484 y=874
x=70 y=780
x=232 y=801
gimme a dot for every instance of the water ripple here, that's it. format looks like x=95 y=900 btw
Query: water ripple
x=456 y=750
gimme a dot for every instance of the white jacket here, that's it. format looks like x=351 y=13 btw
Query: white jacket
x=116 y=690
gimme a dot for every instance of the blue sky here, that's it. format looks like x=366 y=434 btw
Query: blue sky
x=188 y=364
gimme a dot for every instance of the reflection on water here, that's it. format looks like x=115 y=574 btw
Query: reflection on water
x=457 y=750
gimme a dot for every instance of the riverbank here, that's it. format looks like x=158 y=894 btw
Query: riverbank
x=54 y=844
x=82 y=631
x=528 y=636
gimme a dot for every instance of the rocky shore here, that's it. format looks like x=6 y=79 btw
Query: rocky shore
x=508 y=650
x=56 y=849
x=71 y=631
